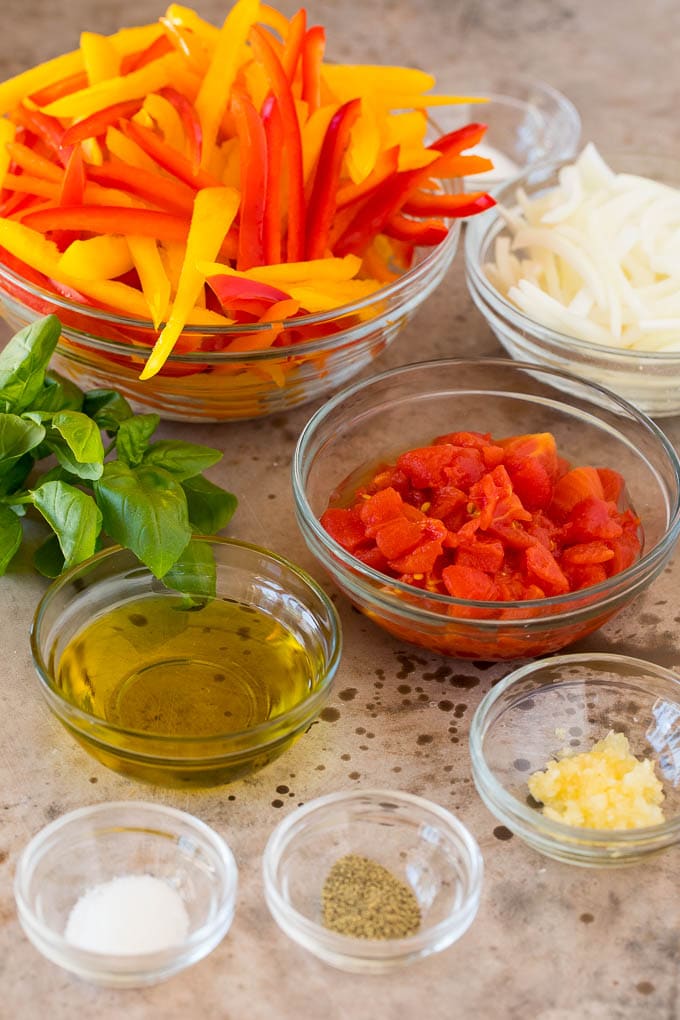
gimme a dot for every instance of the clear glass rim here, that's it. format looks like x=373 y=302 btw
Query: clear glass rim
x=411 y=278
x=293 y=717
x=468 y=852
x=478 y=233
x=378 y=582
x=137 y=962
x=557 y=833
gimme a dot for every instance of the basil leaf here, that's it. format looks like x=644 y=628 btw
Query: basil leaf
x=58 y=394
x=81 y=435
x=210 y=507
x=182 y=460
x=195 y=572
x=11 y=534
x=88 y=471
x=73 y=516
x=23 y=362
x=18 y=436
x=133 y=437
x=14 y=473
x=48 y=558
x=144 y=509
x=107 y=407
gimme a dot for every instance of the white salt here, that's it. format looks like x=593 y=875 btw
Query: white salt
x=129 y=915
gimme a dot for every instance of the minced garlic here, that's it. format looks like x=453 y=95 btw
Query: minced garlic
x=604 y=788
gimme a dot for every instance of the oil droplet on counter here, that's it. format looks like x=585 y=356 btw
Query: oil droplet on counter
x=502 y=833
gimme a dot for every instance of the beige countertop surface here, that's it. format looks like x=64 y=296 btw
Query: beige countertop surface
x=551 y=942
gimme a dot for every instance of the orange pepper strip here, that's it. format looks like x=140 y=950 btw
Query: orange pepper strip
x=320 y=270
x=48 y=129
x=166 y=157
x=213 y=95
x=281 y=88
x=313 y=48
x=110 y=219
x=32 y=185
x=253 y=154
x=292 y=48
x=273 y=128
x=274 y=19
x=7 y=136
x=98 y=123
x=214 y=213
x=190 y=122
x=158 y=114
x=313 y=133
x=169 y=194
x=63 y=87
x=133 y=61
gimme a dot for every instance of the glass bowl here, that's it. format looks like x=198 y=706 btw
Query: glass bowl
x=100 y=349
x=420 y=843
x=650 y=380
x=527 y=719
x=217 y=679
x=375 y=420
x=528 y=122
x=92 y=845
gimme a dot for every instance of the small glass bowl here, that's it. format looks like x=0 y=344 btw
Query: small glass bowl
x=97 y=844
x=375 y=420
x=246 y=574
x=417 y=841
x=575 y=700
x=528 y=122
x=648 y=379
x=100 y=349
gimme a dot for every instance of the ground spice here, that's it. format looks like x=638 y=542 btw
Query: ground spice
x=363 y=899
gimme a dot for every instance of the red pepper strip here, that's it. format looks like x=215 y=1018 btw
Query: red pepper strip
x=63 y=87
x=322 y=202
x=313 y=47
x=232 y=291
x=388 y=199
x=273 y=129
x=429 y=204
x=386 y=165
x=190 y=121
x=17 y=203
x=103 y=219
x=253 y=155
x=293 y=45
x=97 y=123
x=73 y=186
x=264 y=53
x=167 y=157
x=46 y=128
x=32 y=161
x=133 y=61
x=418 y=232
x=172 y=195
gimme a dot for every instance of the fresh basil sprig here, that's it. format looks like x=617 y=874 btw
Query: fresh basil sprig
x=149 y=497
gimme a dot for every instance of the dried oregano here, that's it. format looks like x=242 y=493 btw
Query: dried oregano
x=363 y=899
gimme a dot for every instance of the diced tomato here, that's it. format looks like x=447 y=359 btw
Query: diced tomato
x=376 y=511
x=585 y=575
x=578 y=484
x=397 y=537
x=531 y=462
x=483 y=555
x=425 y=467
x=372 y=557
x=543 y=569
x=448 y=501
x=591 y=519
x=613 y=484
x=628 y=546
x=345 y=526
x=475 y=440
x=587 y=553
x=492 y=456
x=421 y=560
x=466 y=468
x=469 y=583
x=543 y=530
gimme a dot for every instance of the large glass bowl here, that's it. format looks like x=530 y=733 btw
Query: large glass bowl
x=373 y=421
x=568 y=702
x=648 y=379
x=246 y=575
x=100 y=349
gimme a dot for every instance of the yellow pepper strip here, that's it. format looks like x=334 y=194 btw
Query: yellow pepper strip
x=152 y=276
x=99 y=56
x=364 y=144
x=312 y=135
x=7 y=135
x=167 y=118
x=172 y=257
x=330 y=270
x=257 y=83
x=231 y=169
x=275 y=19
x=149 y=78
x=322 y=297
x=35 y=250
x=414 y=159
x=401 y=101
x=215 y=91
x=126 y=149
x=347 y=81
x=98 y=258
x=407 y=129
x=213 y=215
x=129 y=40
x=185 y=17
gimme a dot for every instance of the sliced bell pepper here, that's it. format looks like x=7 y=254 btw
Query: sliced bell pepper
x=428 y=203
x=98 y=123
x=110 y=219
x=292 y=47
x=416 y=232
x=253 y=150
x=97 y=258
x=273 y=129
x=7 y=136
x=134 y=85
x=158 y=114
x=322 y=202
x=214 y=213
x=169 y=194
x=264 y=52
x=152 y=276
x=313 y=48
x=192 y=124
x=169 y=159
x=100 y=57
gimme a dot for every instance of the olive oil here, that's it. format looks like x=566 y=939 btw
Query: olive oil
x=160 y=665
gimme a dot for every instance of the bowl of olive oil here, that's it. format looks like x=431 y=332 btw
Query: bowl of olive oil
x=191 y=685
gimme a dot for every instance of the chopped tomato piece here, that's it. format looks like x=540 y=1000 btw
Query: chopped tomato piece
x=544 y=570
x=469 y=583
x=397 y=537
x=590 y=519
x=476 y=440
x=587 y=553
x=421 y=560
x=425 y=467
x=576 y=485
x=379 y=509
x=345 y=527
x=483 y=555
x=466 y=468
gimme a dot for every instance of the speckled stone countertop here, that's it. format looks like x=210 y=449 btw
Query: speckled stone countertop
x=550 y=942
